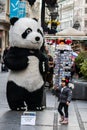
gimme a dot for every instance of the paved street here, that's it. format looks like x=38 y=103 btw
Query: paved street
x=46 y=119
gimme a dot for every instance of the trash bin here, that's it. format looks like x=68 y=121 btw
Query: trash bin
x=80 y=91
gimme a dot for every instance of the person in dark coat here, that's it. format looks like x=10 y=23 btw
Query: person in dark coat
x=49 y=77
x=3 y=66
x=65 y=96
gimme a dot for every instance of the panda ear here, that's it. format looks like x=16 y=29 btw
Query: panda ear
x=13 y=20
x=35 y=19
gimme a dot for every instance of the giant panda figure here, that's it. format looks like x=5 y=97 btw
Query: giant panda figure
x=27 y=65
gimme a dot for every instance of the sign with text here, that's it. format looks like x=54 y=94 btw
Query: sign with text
x=21 y=9
x=28 y=118
x=17 y=8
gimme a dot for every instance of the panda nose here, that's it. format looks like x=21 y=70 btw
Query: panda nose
x=37 y=38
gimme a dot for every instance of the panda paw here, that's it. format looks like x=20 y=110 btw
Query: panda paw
x=40 y=108
x=43 y=107
x=21 y=109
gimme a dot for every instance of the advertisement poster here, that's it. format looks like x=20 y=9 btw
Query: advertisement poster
x=3 y=9
x=17 y=8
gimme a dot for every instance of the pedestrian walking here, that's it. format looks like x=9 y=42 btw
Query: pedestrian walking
x=3 y=66
x=65 y=96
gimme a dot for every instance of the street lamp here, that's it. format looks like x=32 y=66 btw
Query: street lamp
x=43 y=14
x=52 y=13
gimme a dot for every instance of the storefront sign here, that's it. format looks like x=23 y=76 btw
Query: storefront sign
x=17 y=8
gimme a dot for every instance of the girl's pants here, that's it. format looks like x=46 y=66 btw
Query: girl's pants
x=60 y=107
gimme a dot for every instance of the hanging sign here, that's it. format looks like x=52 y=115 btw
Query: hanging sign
x=14 y=8
x=21 y=9
x=17 y=8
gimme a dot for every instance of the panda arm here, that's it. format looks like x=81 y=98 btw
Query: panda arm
x=14 y=60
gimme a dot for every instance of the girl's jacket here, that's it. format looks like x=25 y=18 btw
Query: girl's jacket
x=65 y=95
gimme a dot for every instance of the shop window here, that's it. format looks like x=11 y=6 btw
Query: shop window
x=85 y=23
x=85 y=10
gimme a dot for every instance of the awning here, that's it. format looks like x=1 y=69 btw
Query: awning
x=65 y=37
x=70 y=32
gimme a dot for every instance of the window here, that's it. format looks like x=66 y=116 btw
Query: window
x=85 y=23
x=0 y=42
x=85 y=10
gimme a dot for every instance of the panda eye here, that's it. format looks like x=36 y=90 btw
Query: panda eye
x=28 y=30
x=38 y=30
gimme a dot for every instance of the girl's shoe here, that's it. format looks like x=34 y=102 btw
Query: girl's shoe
x=65 y=121
x=62 y=119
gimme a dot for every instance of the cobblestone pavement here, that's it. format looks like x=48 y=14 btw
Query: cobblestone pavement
x=47 y=119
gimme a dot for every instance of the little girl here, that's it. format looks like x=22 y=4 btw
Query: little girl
x=65 y=96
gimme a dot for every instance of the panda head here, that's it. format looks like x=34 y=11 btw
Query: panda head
x=25 y=33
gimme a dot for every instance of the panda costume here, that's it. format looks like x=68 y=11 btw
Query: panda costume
x=27 y=65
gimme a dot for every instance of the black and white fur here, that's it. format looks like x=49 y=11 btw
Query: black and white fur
x=27 y=65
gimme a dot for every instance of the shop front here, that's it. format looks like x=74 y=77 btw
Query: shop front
x=4 y=35
x=4 y=25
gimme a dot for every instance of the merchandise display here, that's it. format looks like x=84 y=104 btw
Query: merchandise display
x=62 y=64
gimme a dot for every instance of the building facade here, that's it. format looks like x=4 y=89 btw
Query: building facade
x=73 y=13
x=4 y=23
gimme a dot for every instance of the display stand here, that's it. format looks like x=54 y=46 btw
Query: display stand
x=62 y=63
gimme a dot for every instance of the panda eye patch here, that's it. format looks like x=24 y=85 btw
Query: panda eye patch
x=26 y=32
x=38 y=30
